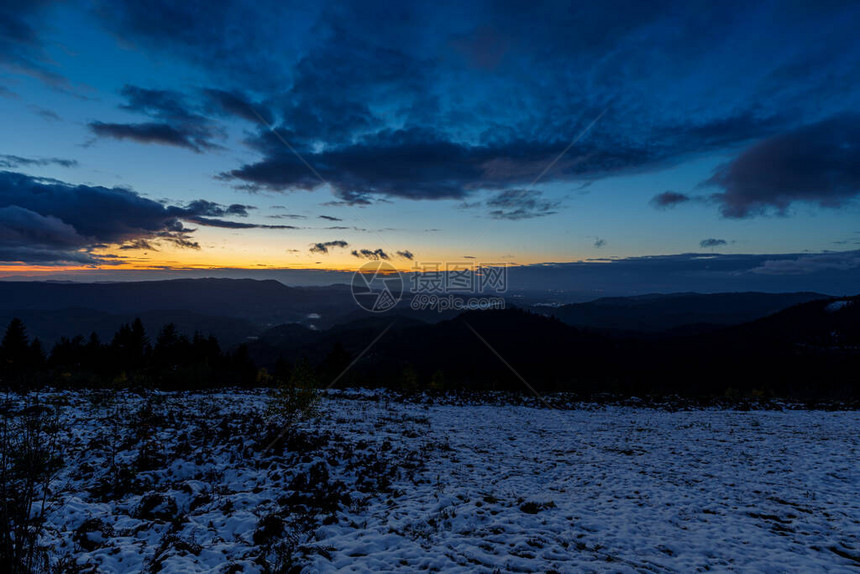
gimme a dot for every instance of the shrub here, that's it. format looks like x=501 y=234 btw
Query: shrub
x=29 y=460
x=297 y=397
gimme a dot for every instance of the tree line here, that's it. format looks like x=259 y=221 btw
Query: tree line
x=790 y=357
x=172 y=361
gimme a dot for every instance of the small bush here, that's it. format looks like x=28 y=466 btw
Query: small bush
x=297 y=397
x=29 y=461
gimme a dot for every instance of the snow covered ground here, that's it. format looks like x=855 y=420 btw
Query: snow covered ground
x=182 y=483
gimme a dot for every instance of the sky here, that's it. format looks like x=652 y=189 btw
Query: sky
x=164 y=136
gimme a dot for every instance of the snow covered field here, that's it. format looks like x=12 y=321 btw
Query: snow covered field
x=182 y=483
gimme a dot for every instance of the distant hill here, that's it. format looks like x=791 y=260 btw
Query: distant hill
x=682 y=312
x=50 y=326
x=548 y=352
x=828 y=325
x=798 y=343
x=658 y=343
x=260 y=301
x=799 y=352
x=231 y=309
x=268 y=303
x=805 y=350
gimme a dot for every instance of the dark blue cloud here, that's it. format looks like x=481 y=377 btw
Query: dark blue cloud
x=207 y=208
x=835 y=273
x=445 y=100
x=14 y=161
x=237 y=104
x=669 y=199
x=48 y=220
x=818 y=164
x=246 y=44
x=175 y=121
x=22 y=47
x=45 y=220
x=520 y=204
x=152 y=132
x=29 y=236
x=809 y=264
x=419 y=164
x=426 y=101
x=166 y=105
x=227 y=224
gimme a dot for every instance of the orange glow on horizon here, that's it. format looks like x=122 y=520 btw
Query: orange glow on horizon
x=38 y=270
x=251 y=254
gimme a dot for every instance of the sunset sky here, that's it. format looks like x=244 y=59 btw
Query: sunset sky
x=297 y=134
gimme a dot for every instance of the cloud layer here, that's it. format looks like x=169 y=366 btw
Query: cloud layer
x=443 y=100
x=482 y=104
x=46 y=220
x=835 y=273
x=817 y=164
x=174 y=121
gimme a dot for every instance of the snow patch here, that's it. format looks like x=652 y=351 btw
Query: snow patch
x=466 y=488
x=837 y=306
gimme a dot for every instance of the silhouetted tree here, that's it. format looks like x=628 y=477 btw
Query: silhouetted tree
x=130 y=346
x=17 y=355
x=242 y=369
x=37 y=354
x=206 y=349
x=335 y=364
x=167 y=337
x=171 y=349
x=15 y=346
